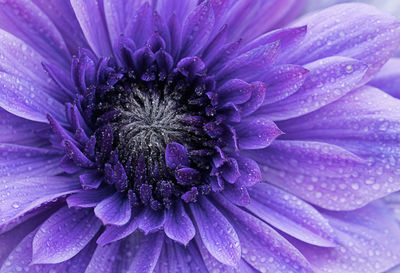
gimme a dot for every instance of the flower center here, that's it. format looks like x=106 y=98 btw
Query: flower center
x=156 y=138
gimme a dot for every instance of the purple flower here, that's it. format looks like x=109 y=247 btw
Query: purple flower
x=180 y=136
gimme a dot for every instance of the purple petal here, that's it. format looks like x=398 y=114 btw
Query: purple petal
x=20 y=258
x=235 y=91
x=21 y=60
x=30 y=24
x=247 y=17
x=230 y=170
x=140 y=26
x=291 y=215
x=337 y=31
x=176 y=258
x=257 y=98
x=169 y=8
x=91 y=20
x=114 y=210
x=21 y=195
x=24 y=161
x=176 y=155
x=178 y=225
x=16 y=130
x=90 y=180
x=212 y=264
x=388 y=78
x=250 y=173
x=357 y=125
x=89 y=198
x=151 y=221
x=328 y=80
x=187 y=176
x=368 y=241
x=25 y=99
x=237 y=194
x=116 y=13
x=216 y=232
x=63 y=17
x=283 y=81
x=64 y=235
x=103 y=258
x=256 y=133
x=115 y=233
x=197 y=29
x=75 y=154
x=9 y=240
x=287 y=37
x=148 y=252
x=262 y=247
x=248 y=63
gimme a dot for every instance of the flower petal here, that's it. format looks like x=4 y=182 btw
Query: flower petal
x=64 y=235
x=22 y=195
x=89 y=198
x=353 y=30
x=290 y=214
x=283 y=81
x=216 y=232
x=114 y=210
x=148 y=252
x=30 y=24
x=368 y=241
x=20 y=258
x=103 y=258
x=16 y=130
x=178 y=225
x=177 y=258
x=256 y=133
x=328 y=80
x=363 y=124
x=91 y=20
x=388 y=78
x=197 y=29
x=25 y=99
x=262 y=247
x=24 y=161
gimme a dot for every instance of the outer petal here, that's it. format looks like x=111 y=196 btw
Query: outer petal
x=22 y=60
x=329 y=79
x=388 y=78
x=363 y=124
x=148 y=252
x=176 y=258
x=64 y=235
x=114 y=210
x=216 y=232
x=20 y=196
x=16 y=130
x=363 y=33
x=103 y=258
x=178 y=225
x=20 y=259
x=91 y=18
x=262 y=247
x=26 y=99
x=256 y=133
x=62 y=15
x=246 y=18
x=26 y=21
x=9 y=240
x=368 y=242
x=290 y=214
x=24 y=161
